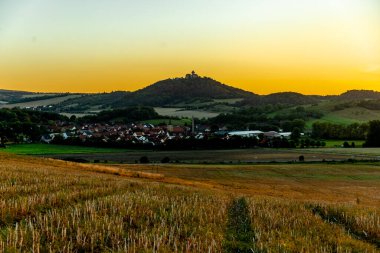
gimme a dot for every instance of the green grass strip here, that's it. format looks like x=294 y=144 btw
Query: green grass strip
x=239 y=236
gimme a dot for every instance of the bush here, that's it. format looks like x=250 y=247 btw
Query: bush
x=301 y=158
x=144 y=159
x=165 y=160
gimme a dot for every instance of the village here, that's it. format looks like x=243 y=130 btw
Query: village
x=144 y=133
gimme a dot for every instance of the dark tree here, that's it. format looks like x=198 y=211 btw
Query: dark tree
x=144 y=159
x=296 y=134
x=373 y=136
x=165 y=160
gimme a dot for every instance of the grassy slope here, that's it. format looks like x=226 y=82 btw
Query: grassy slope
x=346 y=116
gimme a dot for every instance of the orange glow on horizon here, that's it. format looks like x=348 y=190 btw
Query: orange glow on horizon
x=311 y=47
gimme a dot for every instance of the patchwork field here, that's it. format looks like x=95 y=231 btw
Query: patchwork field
x=43 y=102
x=48 y=205
x=234 y=156
x=180 y=112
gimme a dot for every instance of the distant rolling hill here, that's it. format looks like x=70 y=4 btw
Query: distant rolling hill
x=166 y=93
x=203 y=97
x=359 y=95
x=284 y=98
x=25 y=99
x=204 y=93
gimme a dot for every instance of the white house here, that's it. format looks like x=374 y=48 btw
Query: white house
x=254 y=133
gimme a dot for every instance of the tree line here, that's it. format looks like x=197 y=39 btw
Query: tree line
x=325 y=130
x=18 y=125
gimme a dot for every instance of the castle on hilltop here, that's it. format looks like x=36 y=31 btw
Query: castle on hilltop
x=193 y=75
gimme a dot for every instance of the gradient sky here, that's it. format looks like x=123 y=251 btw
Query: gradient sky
x=265 y=46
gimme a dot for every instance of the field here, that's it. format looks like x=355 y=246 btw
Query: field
x=48 y=205
x=234 y=156
x=50 y=149
x=179 y=112
x=357 y=114
x=44 y=102
x=354 y=153
x=346 y=116
x=345 y=183
x=339 y=143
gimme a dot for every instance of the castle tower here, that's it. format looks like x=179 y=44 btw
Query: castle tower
x=193 y=75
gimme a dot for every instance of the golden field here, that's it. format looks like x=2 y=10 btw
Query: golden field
x=55 y=206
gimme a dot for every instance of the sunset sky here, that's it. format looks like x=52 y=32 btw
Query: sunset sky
x=264 y=46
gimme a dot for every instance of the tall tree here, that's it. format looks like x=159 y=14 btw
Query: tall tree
x=373 y=135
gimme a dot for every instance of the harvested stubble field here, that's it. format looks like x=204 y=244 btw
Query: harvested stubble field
x=50 y=206
x=337 y=183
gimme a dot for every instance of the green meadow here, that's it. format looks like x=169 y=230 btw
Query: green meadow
x=50 y=149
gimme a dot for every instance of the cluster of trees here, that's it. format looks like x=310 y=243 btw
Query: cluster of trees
x=370 y=132
x=342 y=106
x=244 y=118
x=370 y=104
x=325 y=130
x=298 y=113
x=291 y=125
x=126 y=115
x=373 y=135
x=295 y=141
x=18 y=125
